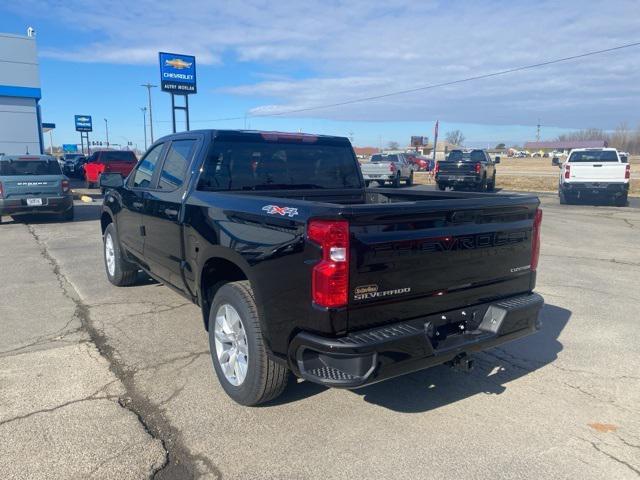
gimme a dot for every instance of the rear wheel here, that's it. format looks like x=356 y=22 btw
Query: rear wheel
x=396 y=181
x=442 y=187
x=622 y=201
x=410 y=179
x=245 y=370
x=68 y=215
x=492 y=185
x=120 y=272
x=367 y=183
x=483 y=185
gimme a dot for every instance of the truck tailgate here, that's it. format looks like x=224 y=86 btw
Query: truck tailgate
x=597 y=172
x=431 y=259
x=32 y=185
x=457 y=167
x=376 y=168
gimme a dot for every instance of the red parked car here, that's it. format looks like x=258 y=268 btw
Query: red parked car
x=111 y=161
x=422 y=163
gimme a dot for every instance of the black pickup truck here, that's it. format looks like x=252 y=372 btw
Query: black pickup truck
x=472 y=169
x=297 y=267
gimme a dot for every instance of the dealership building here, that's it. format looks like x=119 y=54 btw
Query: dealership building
x=20 y=118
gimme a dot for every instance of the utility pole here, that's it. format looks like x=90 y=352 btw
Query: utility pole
x=148 y=86
x=538 y=131
x=106 y=129
x=144 y=125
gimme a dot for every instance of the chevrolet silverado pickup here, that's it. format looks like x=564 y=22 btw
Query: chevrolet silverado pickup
x=297 y=267
x=469 y=169
x=392 y=168
x=593 y=173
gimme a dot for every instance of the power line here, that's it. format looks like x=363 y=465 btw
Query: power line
x=432 y=86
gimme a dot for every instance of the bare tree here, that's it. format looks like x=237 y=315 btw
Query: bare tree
x=586 y=134
x=621 y=138
x=393 y=145
x=455 y=137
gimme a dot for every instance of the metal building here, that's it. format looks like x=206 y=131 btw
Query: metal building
x=20 y=119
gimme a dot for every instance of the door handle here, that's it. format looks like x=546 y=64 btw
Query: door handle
x=170 y=212
x=137 y=204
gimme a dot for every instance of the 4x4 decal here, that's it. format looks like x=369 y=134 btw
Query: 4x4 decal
x=284 y=211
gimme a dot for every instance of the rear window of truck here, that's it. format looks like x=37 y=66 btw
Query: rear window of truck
x=264 y=166
x=384 y=158
x=29 y=167
x=594 y=156
x=128 y=157
x=460 y=156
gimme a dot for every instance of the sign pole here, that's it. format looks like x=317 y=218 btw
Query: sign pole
x=173 y=112
x=81 y=143
x=435 y=141
x=186 y=103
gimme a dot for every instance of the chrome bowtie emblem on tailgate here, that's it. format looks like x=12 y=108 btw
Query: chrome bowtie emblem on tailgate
x=276 y=210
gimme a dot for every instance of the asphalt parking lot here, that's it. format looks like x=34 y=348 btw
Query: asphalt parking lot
x=118 y=383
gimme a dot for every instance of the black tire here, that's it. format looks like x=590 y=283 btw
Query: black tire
x=265 y=379
x=483 y=185
x=367 y=183
x=442 y=187
x=396 y=181
x=124 y=272
x=492 y=186
x=68 y=215
x=88 y=184
x=621 y=201
x=410 y=179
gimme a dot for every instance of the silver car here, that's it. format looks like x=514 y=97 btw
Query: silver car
x=392 y=168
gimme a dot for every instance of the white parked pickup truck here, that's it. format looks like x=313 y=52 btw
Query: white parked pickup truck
x=392 y=168
x=594 y=172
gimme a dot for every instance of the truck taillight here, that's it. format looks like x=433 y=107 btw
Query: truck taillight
x=567 y=171
x=535 y=240
x=1 y=191
x=627 y=172
x=392 y=167
x=65 y=186
x=330 y=277
x=478 y=167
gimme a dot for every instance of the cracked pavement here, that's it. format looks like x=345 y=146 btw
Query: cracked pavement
x=118 y=383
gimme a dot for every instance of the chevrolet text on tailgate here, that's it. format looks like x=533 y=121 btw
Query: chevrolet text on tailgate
x=297 y=267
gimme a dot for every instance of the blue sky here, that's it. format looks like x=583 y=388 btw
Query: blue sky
x=258 y=56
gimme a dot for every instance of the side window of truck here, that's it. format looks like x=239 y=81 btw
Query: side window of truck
x=143 y=174
x=176 y=163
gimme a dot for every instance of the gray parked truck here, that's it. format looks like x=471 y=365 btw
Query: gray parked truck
x=393 y=168
x=33 y=184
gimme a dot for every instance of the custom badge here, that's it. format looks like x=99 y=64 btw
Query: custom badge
x=283 y=211
x=365 y=292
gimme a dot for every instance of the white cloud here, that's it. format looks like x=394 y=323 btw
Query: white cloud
x=358 y=48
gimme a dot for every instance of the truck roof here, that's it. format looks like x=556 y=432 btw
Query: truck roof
x=266 y=134
x=604 y=149
x=13 y=158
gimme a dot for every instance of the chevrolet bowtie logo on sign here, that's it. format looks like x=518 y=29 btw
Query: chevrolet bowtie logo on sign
x=83 y=123
x=178 y=73
x=177 y=63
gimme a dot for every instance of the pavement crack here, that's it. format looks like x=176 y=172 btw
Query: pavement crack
x=178 y=462
x=93 y=397
x=613 y=457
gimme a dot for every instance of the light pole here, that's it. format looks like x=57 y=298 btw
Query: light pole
x=106 y=128
x=144 y=125
x=148 y=86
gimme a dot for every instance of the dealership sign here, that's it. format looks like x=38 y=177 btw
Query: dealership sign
x=83 y=123
x=178 y=73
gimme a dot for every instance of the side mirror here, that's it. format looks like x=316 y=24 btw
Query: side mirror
x=111 y=180
x=555 y=161
x=496 y=160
